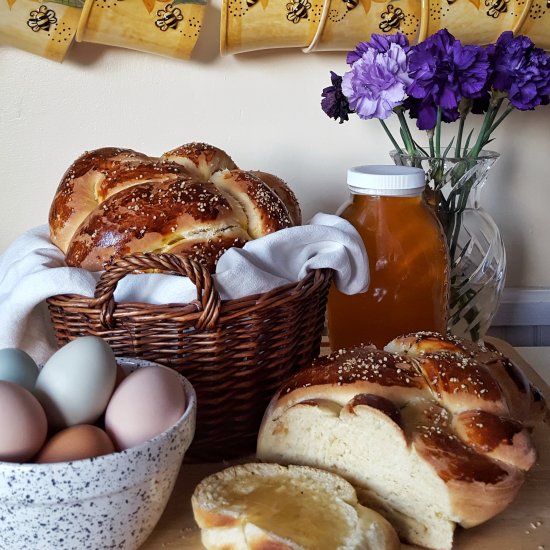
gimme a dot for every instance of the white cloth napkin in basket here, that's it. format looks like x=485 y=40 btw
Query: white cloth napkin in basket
x=33 y=269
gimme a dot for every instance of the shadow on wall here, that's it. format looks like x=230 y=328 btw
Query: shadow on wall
x=508 y=177
x=208 y=43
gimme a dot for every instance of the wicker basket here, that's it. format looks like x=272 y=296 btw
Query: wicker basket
x=236 y=353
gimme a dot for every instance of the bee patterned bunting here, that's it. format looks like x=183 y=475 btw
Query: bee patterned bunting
x=351 y=4
x=169 y=18
x=41 y=19
x=496 y=7
x=297 y=10
x=391 y=19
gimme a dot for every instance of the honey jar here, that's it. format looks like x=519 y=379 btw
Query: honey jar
x=408 y=260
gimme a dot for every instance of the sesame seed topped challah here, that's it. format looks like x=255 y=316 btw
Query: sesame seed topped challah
x=192 y=200
x=433 y=431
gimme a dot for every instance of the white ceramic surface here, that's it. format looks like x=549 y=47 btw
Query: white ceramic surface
x=112 y=501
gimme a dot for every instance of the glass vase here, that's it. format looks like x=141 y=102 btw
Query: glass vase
x=476 y=250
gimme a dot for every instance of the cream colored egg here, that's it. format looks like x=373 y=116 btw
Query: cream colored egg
x=75 y=385
x=147 y=402
x=23 y=425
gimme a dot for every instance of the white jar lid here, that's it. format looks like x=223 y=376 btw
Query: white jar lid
x=386 y=180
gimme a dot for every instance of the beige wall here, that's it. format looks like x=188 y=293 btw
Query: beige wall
x=263 y=108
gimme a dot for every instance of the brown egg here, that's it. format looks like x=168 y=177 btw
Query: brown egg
x=23 y=424
x=75 y=443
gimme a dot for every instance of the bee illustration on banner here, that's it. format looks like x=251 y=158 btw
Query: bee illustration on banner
x=496 y=7
x=169 y=18
x=351 y=4
x=42 y=19
x=297 y=9
x=391 y=19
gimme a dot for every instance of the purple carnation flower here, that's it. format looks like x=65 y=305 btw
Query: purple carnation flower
x=335 y=103
x=379 y=42
x=522 y=70
x=443 y=72
x=376 y=82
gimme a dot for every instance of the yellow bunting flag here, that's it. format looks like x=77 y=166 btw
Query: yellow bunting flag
x=149 y=5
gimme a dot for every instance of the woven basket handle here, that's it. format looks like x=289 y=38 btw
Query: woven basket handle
x=208 y=300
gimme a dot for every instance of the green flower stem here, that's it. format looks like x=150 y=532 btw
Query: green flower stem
x=438 y=133
x=431 y=142
x=407 y=136
x=488 y=126
x=492 y=117
x=490 y=123
x=389 y=134
x=459 y=135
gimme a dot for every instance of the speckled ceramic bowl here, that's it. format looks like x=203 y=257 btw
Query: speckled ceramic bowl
x=112 y=501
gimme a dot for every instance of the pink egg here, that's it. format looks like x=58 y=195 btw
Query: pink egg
x=146 y=403
x=23 y=424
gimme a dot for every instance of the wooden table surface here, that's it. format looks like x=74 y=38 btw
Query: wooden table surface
x=524 y=525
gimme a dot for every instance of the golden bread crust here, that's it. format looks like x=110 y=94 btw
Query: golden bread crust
x=112 y=202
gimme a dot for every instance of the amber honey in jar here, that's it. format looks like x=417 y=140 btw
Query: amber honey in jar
x=408 y=260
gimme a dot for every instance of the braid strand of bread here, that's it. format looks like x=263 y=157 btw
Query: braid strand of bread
x=193 y=200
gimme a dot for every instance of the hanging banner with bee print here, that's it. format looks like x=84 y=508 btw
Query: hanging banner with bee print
x=260 y=24
x=46 y=29
x=169 y=28
x=314 y=24
x=150 y=4
x=536 y=23
x=479 y=21
x=352 y=20
x=340 y=24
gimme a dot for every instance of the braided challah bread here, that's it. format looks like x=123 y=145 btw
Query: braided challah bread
x=193 y=200
x=433 y=431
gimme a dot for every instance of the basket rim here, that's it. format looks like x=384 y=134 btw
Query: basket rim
x=191 y=311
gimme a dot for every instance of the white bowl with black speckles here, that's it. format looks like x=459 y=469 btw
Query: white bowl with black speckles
x=112 y=501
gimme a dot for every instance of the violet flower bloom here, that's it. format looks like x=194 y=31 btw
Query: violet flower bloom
x=376 y=82
x=379 y=42
x=335 y=103
x=443 y=72
x=522 y=70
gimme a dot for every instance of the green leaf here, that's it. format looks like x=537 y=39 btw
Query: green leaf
x=421 y=149
x=71 y=3
x=467 y=144
x=448 y=147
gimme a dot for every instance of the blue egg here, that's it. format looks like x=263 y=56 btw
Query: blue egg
x=76 y=383
x=18 y=367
